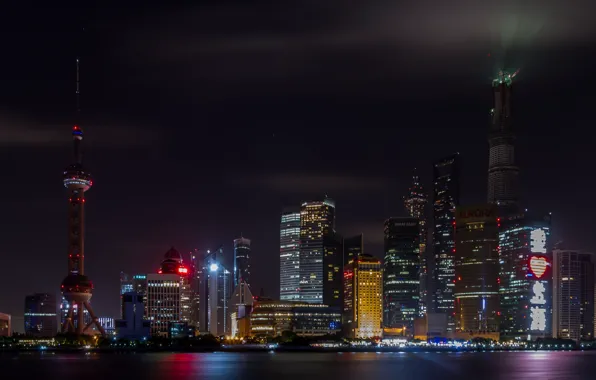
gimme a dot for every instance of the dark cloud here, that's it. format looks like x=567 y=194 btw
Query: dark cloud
x=228 y=44
x=17 y=131
x=304 y=183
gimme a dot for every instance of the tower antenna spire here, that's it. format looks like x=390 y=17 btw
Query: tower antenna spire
x=78 y=92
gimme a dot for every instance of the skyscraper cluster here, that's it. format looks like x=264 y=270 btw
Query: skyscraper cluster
x=447 y=269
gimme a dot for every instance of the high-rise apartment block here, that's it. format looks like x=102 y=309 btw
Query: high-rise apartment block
x=401 y=273
x=476 y=266
x=446 y=198
x=289 y=256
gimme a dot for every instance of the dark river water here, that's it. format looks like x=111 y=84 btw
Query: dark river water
x=303 y=366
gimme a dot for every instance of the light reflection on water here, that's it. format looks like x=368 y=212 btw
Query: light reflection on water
x=305 y=366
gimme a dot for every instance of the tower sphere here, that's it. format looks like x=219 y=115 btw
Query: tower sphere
x=75 y=178
x=77 y=288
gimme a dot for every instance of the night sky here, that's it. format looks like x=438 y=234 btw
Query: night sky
x=202 y=123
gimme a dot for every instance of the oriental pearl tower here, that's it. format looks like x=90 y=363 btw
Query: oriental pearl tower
x=76 y=287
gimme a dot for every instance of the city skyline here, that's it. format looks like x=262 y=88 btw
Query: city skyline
x=213 y=204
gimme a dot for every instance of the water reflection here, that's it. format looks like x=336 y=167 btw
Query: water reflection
x=305 y=366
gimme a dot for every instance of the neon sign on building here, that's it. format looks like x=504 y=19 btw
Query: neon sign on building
x=538 y=241
x=538 y=266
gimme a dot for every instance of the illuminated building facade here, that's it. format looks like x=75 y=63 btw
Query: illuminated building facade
x=240 y=307
x=173 y=263
x=573 y=294
x=108 y=325
x=126 y=286
x=241 y=261
x=271 y=318
x=502 y=172
x=163 y=301
x=220 y=283
x=40 y=315
x=415 y=203
x=525 y=277
x=317 y=226
x=446 y=198
x=289 y=256
x=476 y=266
x=5 y=325
x=133 y=325
x=401 y=273
x=363 y=297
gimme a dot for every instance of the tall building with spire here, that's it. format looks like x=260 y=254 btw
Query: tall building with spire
x=446 y=198
x=502 y=171
x=415 y=203
x=76 y=287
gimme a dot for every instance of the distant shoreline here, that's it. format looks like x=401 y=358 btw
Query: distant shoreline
x=279 y=349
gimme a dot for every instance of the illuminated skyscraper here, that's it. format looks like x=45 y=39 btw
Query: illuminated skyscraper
x=220 y=282
x=241 y=261
x=40 y=315
x=289 y=256
x=525 y=277
x=163 y=301
x=173 y=263
x=363 y=297
x=573 y=294
x=317 y=226
x=415 y=203
x=476 y=289
x=401 y=273
x=502 y=171
x=446 y=198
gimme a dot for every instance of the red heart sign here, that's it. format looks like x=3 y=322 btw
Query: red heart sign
x=538 y=266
